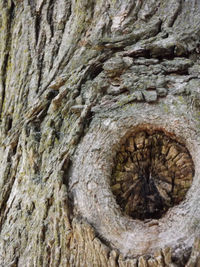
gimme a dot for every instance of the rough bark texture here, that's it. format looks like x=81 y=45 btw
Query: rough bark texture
x=77 y=77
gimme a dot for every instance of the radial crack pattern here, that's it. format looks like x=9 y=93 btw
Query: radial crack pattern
x=152 y=173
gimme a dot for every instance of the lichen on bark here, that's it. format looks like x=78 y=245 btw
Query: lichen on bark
x=76 y=77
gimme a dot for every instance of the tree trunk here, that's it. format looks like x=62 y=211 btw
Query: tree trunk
x=80 y=81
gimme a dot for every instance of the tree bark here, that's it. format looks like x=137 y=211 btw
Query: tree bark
x=76 y=78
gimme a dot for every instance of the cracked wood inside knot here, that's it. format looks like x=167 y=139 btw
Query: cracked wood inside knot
x=152 y=173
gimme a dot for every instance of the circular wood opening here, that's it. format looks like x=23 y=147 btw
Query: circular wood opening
x=152 y=172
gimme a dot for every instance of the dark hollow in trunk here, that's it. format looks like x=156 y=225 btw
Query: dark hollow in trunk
x=152 y=173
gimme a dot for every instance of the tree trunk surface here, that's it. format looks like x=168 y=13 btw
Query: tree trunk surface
x=86 y=87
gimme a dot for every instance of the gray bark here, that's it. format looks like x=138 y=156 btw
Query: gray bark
x=76 y=78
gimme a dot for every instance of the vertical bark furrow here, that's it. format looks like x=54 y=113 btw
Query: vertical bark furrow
x=7 y=21
x=50 y=12
x=9 y=177
x=75 y=70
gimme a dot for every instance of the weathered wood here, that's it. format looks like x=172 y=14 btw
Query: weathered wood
x=76 y=79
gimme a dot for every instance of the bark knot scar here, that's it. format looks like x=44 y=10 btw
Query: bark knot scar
x=152 y=173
